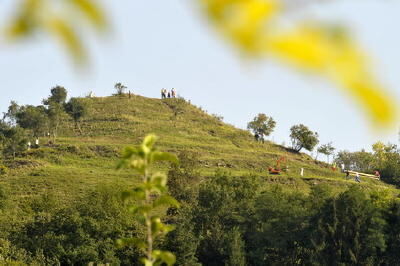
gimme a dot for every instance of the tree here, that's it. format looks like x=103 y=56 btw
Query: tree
x=236 y=248
x=55 y=113
x=262 y=125
x=77 y=109
x=326 y=149
x=348 y=230
x=361 y=161
x=12 y=140
x=182 y=185
x=12 y=112
x=58 y=94
x=33 y=118
x=55 y=108
x=392 y=217
x=302 y=137
x=224 y=202
x=386 y=159
x=120 y=88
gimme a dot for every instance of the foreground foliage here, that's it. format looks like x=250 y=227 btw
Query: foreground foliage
x=148 y=196
x=226 y=220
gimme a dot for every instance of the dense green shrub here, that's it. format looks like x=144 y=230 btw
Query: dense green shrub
x=348 y=230
x=81 y=233
x=224 y=220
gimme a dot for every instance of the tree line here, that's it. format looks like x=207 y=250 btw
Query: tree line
x=301 y=136
x=384 y=158
x=23 y=122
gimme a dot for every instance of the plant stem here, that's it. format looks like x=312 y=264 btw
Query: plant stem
x=148 y=224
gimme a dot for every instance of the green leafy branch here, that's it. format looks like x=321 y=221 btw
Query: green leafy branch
x=151 y=194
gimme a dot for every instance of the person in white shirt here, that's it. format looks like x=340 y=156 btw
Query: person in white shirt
x=358 y=178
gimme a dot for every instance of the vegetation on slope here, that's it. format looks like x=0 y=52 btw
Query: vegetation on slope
x=60 y=203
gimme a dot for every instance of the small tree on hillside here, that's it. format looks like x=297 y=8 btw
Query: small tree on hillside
x=326 y=149
x=302 y=137
x=120 y=88
x=33 y=118
x=77 y=109
x=11 y=115
x=12 y=140
x=58 y=95
x=262 y=125
x=55 y=108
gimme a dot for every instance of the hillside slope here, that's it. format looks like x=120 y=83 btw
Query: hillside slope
x=77 y=162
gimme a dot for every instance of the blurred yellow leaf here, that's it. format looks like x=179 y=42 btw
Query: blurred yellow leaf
x=33 y=15
x=254 y=26
x=25 y=19
x=68 y=37
x=339 y=59
x=92 y=12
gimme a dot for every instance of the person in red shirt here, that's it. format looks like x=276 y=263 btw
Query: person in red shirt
x=377 y=174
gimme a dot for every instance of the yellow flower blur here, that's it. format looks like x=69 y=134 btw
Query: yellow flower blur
x=254 y=27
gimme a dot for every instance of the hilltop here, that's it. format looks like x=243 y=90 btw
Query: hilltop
x=78 y=162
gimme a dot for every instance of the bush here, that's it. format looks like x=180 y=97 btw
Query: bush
x=80 y=233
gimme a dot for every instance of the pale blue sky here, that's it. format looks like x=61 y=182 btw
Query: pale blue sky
x=157 y=44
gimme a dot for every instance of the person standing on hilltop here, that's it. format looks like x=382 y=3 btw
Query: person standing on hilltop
x=173 y=93
x=163 y=93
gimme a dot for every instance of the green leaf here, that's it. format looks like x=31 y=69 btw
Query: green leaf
x=159 y=188
x=166 y=200
x=140 y=209
x=137 y=193
x=146 y=262
x=163 y=156
x=132 y=241
x=156 y=225
x=165 y=256
x=159 y=179
x=138 y=165
x=166 y=228
x=128 y=152
x=149 y=141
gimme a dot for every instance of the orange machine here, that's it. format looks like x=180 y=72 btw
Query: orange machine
x=277 y=169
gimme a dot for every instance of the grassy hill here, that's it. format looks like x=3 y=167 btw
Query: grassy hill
x=78 y=162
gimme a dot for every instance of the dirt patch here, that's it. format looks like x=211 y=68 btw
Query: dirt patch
x=21 y=163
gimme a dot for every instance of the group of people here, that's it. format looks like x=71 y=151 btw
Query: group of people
x=259 y=137
x=357 y=175
x=36 y=145
x=168 y=94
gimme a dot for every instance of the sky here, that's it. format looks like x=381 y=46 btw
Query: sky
x=156 y=44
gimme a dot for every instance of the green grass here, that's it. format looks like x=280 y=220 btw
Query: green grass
x=78 y=163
